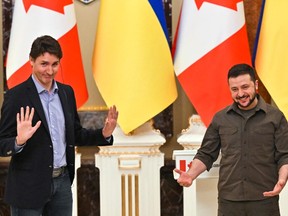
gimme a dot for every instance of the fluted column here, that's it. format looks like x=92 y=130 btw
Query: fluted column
x=130 y=173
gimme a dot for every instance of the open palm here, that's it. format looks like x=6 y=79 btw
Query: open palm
x=25 y=130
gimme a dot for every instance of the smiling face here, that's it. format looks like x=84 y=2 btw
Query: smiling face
x=45 y=68
x=243 y=91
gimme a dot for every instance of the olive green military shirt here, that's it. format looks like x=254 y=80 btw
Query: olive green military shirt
x=253 y=147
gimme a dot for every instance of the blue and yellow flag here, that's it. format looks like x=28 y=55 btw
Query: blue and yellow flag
x=132 y=62
x=271 y=59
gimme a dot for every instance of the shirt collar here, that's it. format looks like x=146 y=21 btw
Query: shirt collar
x=261 y=105
x=41 y=89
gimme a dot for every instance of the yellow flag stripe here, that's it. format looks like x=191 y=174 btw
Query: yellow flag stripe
x=272 y=60
x=132 y=63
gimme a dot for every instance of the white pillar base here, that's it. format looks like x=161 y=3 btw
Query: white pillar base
x=130 y=173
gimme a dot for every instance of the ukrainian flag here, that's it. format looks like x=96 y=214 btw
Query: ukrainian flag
x=132 y=63
x=271 y=59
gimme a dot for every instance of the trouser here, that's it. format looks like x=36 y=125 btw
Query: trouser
x=59 y=203
x=267 y=207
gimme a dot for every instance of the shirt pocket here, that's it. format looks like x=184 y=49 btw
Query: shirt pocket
x=265 y=131
x=263 y=139
x=229 y=140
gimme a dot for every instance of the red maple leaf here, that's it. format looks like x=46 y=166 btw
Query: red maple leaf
x=190 y=164
x=232 y=4
x=56 y=5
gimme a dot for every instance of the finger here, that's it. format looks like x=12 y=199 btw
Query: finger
x=272 y=193
x=27 y=112
x=106 y=121
x=18 y=118
x=31 y=114
x=113 y=108
x=21 y=114
x=114 y=112
x=116 y=115
x=268 y=194
x=109 y=115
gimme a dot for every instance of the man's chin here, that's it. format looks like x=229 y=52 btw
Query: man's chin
x=242 y=105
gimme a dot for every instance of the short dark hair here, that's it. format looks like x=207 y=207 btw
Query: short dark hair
x=240 y=69
x=45 y=44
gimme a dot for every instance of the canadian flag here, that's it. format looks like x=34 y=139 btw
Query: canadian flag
x=184 y=165
x=34 y=18
x=211 y=37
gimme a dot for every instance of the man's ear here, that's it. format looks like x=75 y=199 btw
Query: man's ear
x=31 y=60
x=256 y=85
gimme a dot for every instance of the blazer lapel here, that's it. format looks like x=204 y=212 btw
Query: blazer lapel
x=35 y=100
x=65 y=105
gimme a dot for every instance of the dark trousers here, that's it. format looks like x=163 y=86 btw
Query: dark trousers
x=267 y=207
x=59 y=204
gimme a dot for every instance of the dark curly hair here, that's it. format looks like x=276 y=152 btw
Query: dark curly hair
x=240 y=69
x=45 y=44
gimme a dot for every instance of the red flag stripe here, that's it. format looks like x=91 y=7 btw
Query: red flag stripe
x=182 y=165
x=205 y=81
x=202 y=60
x=71 y=71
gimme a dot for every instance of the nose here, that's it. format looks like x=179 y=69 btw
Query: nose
x=240 y=93
x=50 y=70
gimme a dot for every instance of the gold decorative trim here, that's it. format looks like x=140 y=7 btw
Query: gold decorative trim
x=136 y=195
x=93 y=108
x=190 y=146
x=123 y=189
x=133 y=153
x=127 y=162
x=127 y=150
x=129 y=196
x=194 y=120
x=130 y=199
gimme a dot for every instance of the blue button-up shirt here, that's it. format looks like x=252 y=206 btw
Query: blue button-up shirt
x=55 y=119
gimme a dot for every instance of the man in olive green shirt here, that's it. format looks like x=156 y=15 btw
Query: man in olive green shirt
x=253 y=139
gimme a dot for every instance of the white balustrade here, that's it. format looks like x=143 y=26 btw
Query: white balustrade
x=130 y=173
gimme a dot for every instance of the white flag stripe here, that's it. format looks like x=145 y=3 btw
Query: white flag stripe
x=209 y=20
x=23 y=31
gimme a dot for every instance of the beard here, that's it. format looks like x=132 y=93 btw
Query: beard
x=250 y=101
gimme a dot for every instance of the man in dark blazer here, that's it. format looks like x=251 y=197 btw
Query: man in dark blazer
x=39 y=128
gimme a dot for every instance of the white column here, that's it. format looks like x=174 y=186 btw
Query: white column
x=74 y=185
x=283 y=201
x=130 y=173
x=200 y=199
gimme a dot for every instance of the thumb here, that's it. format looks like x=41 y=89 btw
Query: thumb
x=178 y=171
x=37 y=125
